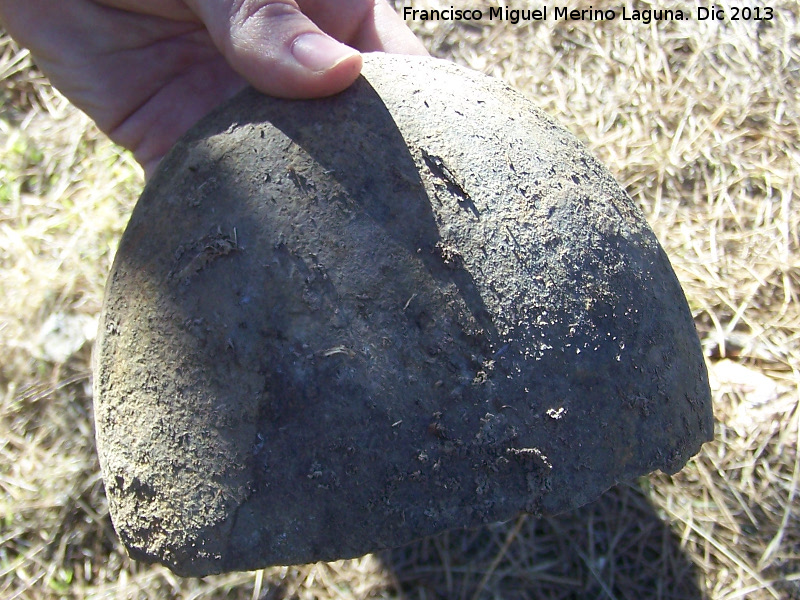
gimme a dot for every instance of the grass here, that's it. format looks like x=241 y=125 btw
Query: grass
x=699 y=120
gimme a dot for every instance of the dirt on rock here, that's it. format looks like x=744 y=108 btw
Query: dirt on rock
x=338 y=325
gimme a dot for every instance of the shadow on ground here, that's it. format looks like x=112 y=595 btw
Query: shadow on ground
x=616 y=547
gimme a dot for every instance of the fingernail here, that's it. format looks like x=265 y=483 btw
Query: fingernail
x=318 y=52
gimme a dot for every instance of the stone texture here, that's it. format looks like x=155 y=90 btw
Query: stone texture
x=334 y=326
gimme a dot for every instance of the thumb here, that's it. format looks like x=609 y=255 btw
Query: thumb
x=277 y=49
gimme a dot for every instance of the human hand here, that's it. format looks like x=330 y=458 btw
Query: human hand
x=146 y=70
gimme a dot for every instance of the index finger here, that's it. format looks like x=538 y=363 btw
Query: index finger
x=367 y=25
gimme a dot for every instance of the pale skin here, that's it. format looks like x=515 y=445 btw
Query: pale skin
x=146 y=70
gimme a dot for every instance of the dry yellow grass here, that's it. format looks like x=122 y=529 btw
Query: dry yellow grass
x=699 y=120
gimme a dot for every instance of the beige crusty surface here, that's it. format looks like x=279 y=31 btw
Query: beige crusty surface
x=338 y=325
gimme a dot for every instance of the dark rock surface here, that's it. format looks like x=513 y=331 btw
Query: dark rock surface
x=337 y=325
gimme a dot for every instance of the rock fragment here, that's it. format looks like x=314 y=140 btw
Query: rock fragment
x=338 y=325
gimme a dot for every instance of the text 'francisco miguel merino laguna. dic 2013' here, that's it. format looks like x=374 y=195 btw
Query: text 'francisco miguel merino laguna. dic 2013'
x=563 y=13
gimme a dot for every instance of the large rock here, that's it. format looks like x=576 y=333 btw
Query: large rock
x=337 y=325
